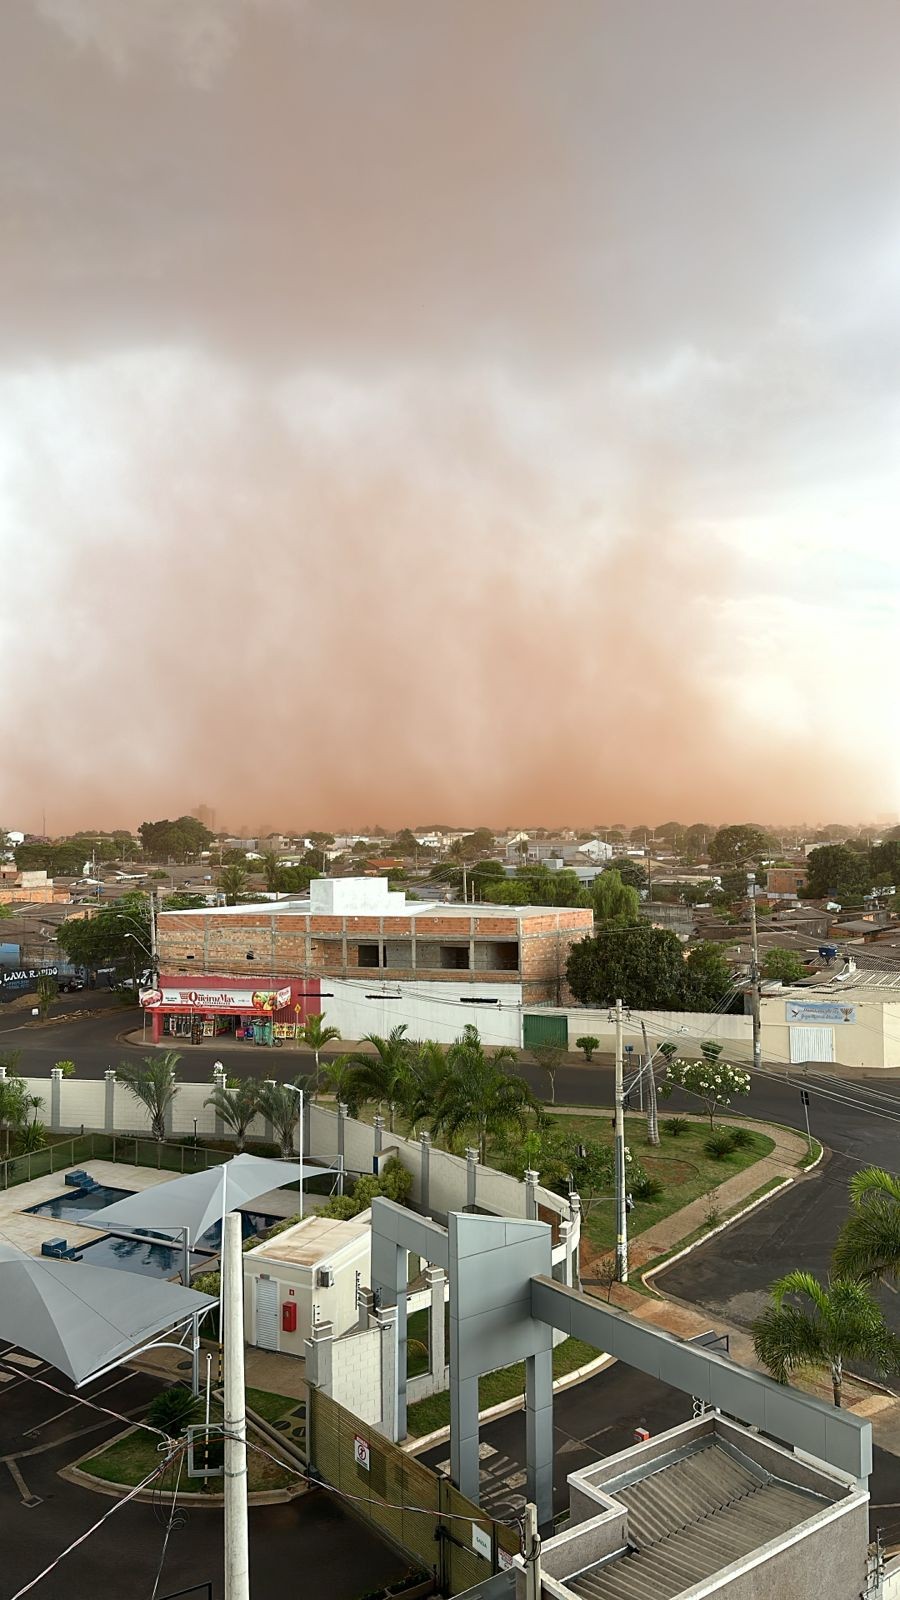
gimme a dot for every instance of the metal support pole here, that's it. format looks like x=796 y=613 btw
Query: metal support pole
x=195 y=1355
x=754 y=973
x=186 y=1257
x=237 y=1551
x=621 y=1213
x=532 y=1554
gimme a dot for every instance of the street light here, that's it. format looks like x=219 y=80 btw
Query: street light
x=296 y=1090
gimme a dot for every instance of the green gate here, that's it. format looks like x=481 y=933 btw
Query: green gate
x=540 y=1030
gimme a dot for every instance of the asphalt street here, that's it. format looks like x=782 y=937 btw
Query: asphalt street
x=41 y=1513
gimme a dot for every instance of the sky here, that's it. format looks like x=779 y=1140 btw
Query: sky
x=417 y=411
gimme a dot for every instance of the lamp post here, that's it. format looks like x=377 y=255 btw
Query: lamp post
x=295 y=1090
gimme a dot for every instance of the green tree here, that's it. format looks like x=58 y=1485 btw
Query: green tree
x=740 y=843
x=631 y=872
x=784 y=966
x=182 y=840
x=588 y=1043
x=478 y=1098
x=316 y=1035
x=406 y=843
x=707 y=976
x=616 y=904
x=550 y=1057
x=868 y=1245
x=713 y=1081
x=280 y=1105
x=46 y=992
x=233 y=882
x=339 y=1076
x=884 y=860
x=643 y=966
x=428 y=1072
x=13 y=1100
x=271 y=866
x=152 y=1083
x=237 y=1107
x=386 y=1076
x=114 y=935
x=183 y=901
x=810 y=1324
x=835 y=872
x=5 y=911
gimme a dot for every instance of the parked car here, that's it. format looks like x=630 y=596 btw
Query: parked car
x=70 y=985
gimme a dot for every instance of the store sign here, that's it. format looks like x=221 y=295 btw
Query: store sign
x=818 y=1011
x=216 y=999
x=25 y=975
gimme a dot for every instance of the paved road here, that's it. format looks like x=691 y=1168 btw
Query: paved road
x=122 y=1557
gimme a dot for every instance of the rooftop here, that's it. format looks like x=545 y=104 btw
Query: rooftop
x=413 y=908
x=313 y=1240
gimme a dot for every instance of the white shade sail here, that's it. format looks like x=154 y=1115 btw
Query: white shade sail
x=199 y=1199
x=82 y=1318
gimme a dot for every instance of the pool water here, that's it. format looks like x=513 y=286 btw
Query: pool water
x=153 y=1256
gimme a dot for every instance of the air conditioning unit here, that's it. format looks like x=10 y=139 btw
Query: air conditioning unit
x=325 y=1278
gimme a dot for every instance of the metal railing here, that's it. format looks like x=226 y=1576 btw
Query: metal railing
x=133 y=1150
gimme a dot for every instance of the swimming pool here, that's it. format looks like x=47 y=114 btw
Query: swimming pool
x=151 y=1254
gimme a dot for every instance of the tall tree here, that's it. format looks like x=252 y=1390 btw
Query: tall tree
x=478 y=1098
x=814 y=1324
x=868 y=1245
x=783 y=966
x=707 y=976
x=316 y=1034
x=152 y=1083
x=642 y=966
x=740 y=844
x=428 y=1073
x=616 y=904
x=835 y=872
x=385 y=1077
x=281 y=1106
x=237 y=1106
x=233 y=882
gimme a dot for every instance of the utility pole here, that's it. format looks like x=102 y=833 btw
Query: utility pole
x=237 y=1549
x=621 y=1212
x=754 y=972
x=464 y=886
x=154 y=958
x=652 y=1115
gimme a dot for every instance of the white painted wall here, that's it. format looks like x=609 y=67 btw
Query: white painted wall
x=355 y=897
x=431 y=1010
x=356 y=1373
x=735 y=1033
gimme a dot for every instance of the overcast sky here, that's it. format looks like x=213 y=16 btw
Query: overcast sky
x=421 y=410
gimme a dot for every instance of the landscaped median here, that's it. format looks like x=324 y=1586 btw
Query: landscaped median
x=129 y=1458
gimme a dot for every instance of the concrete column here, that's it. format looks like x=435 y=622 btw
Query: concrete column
x=425 y=1147
x=471 y=1178
x=564 y=1270
x=575 y=1213
x=268 y=1129
x=365 y=1301
x=390 y=1373
x=170 y=1112
x=2 y=1074
x=220 y=1081
x=317 y=1349
x=437 y=1353
x=539 y=1435
x=531 y=1200
x=109 y=1105
x=378 y=1127
x=465 y=1467
x=55 y=1099
x=341 y=1115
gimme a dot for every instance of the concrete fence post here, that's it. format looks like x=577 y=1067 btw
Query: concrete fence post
x=170 y=1110
x=425 y=1183
x=341 y=1121
x=268 y=1129
x=55 y=1099
x=318 y=1350
x=471 y=1178
x=531 y=1200
x=437 y=1349
x=378 y=1126
x=575 y=1214
x=564 y=1270
x=220 y=1081
x=2 y=1074
x=365 y=1301
x=386 y=1317
x=109 y=1104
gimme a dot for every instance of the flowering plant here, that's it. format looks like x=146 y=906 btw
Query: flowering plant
x=714 y=1082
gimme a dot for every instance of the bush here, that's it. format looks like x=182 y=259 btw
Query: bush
x=173 y=1410
x=588 y=1044
x=676 y=1126
x=646 y=1186
x=340 y=1206
x=720 y=1143
x=742 y=1138
x=67 y=1068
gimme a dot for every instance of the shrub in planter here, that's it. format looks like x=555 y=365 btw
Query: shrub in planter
x=173 y=1410
x=676 y=1126
x=741 y=1138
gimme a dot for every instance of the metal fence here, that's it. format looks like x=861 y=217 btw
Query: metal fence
x=421 y=1513
x=108 y=1147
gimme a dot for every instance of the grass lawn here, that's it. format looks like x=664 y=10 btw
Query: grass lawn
x=270 y=1406
x=495 y=1387
x=129 y=1460
x=680 y=1163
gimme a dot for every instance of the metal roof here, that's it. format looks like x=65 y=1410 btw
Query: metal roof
x=692 y=1517
x=199 y=1199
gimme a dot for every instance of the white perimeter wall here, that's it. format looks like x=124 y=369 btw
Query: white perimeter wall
x=356 y=1374
x=430 y=1010
x=687 y=1027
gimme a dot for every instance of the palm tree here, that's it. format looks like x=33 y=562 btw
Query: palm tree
x=868 y=1244
x=272 y=869
x=280 y=1105
x=838 y=1321
x=237 y=1106
x=340 y=1076
x=479 y=1098
x=153 y=1084
x=428 y=1073
x=385 y=1077
x=315 y=1036
x=233 y=881
x=13 y=1108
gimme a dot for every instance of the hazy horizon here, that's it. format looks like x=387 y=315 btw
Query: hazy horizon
x=420 y=409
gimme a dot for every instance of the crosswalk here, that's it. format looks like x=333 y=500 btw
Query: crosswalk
x=502 y=1483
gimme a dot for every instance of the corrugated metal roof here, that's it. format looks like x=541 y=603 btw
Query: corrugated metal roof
x=691 y=1518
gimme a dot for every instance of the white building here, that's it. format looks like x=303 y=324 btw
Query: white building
x=308 y=1273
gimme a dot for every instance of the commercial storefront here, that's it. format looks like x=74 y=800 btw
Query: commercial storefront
x=192 y=1010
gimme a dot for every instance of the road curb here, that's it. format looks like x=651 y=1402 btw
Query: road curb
x=679 y=1255
x=505 y=1408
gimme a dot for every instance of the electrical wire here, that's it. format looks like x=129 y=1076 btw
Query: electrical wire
x=176 y=1519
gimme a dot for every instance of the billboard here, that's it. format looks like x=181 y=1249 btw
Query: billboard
x=818 y=1011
